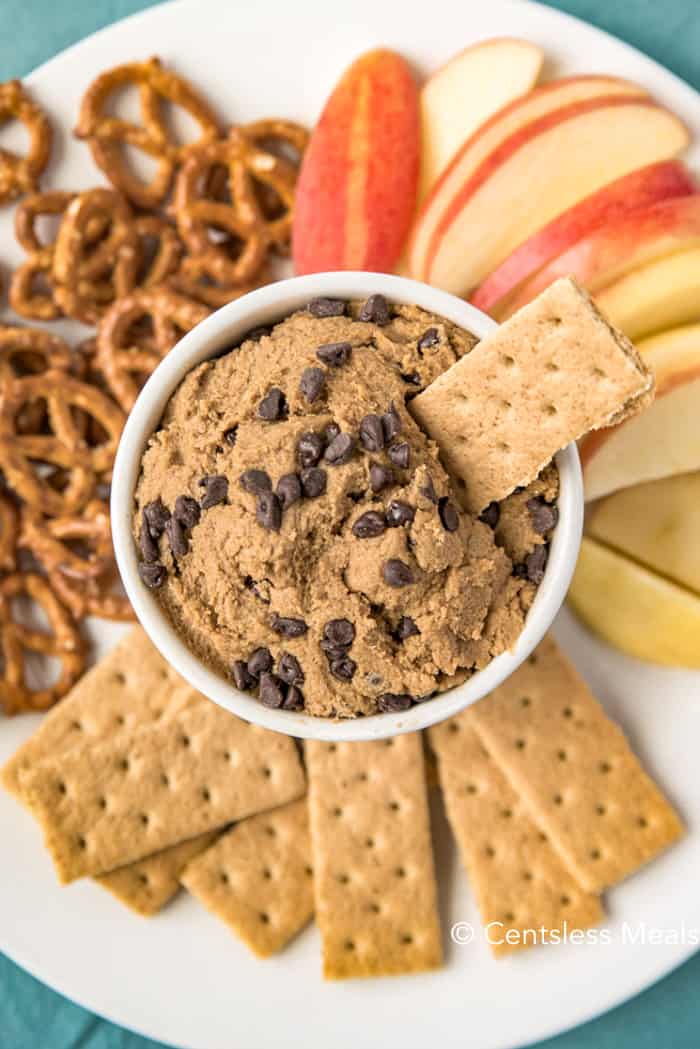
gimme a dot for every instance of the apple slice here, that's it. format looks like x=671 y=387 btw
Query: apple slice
x=635 y=610
x=656 y=523
x=616 y=215
x=660 y=295
x=664 y=439
x=536 y=174
x=357 y=187
x=466 y=91
x=481 y=148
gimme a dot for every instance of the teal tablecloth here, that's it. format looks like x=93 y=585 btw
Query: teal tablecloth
x=665 y=1017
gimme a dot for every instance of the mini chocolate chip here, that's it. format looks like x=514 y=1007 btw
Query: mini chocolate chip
x=268 y=511
x=520 y=571
x=309 y=448
x=273 y=405
x=294 y=700
x=536 y=562
x=343 y=668
x=259 y=661
x=430 y=337
x=398 y=513
x=216 y=490
x=375 y=311
x=176 y=537
x=285 y=626
x=332 y=651
x=255 y=481
x=313 y=482
x=256 y=334
x=405 y=628
x=340 y=450
x=289 y=669
x=400 y=454
x=369 y=525
x=242 y=678
x=187 y=511
x=544 y=516
x=391 y=422
x=448 y=515
x=391 y=703
x=330 y=432
x=148 y=547
x=334 y=354
x=152 y=575
x=380 y=477
x=311 y=383
x=372 y=433
x=288 y=490
x=339 y=632
x=491 y=515
x=322 y=307
x=230 y=435
x=397 y=573
x=427 y=490
x=157 y=515
x=270 y=694
x=412 y=378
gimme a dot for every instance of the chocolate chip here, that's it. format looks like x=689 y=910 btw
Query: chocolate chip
x=294 y=700
x=412 y=378
x=400 y=454
x=544 y=517
x=339 y=632
x=430 y=337
x=216 y=490
x=157 y=515
x=535 y=563
x=255 y=481
x=260 y=661
x=343 y=668
x=241 y=676
x=313 y=482
x=375 y=311
x=288 y=490
x=369 y=525
x=396 y=573
x=256 y=334
x=391 y=422
x=270 y=694
x=309 y=448
x=176 y=537
x=330 y=432
x=405 y=628
x=398 y=513
x=148 y=547
x=322 y=307
x=448 y=515
x=187 y=511
x=230 y=435
x=340 y=450
x=289 y=669
x=520 y=571
x=311 y=383
x=491 y=515
x=152 y=575
x=380 y=477
x=288 y=627
x=268 y=511
x=391 y=703
x=372 y=433
x=334 y=354
x=273 y=405
x=427 y=490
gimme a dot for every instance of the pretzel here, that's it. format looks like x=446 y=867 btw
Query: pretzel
x=9 y=533
x=26 y=351
x=159 y=250
x=47 y=539
x=195 y=280
x=92 y=597
x=107 y=135
x=62 y=642
x=19 y=175
x=126 y=356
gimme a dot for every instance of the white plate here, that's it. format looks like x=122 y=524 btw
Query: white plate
x=182 y=978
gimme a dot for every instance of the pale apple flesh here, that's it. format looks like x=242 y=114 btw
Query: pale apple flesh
x=661 y=295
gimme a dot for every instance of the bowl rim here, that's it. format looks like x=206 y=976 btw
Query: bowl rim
x=224 y=328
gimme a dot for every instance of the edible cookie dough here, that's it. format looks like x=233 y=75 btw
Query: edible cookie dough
x=301 y=533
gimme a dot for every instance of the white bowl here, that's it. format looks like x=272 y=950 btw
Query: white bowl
x=226 y=327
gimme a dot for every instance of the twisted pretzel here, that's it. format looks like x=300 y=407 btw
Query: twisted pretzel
x=9 y=533
x=106 y=135
x=92 y=597
x=48 y=538
x=195 y=280
x=19 y=174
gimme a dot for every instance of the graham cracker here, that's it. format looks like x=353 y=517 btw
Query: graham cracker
x=257 y=878
x=147 y=885
x=525 y=894
x=574 y=770
x=551 y=373
x=105 y=805
x=374 y=879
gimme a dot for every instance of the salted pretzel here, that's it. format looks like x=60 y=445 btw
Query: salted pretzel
x=19 y=175
x=159 y=250
x=48 y=537
x=107 y=135
x=9 y=533
x=137 y=332
x=62 y=642
x=195 y=280
x=28 y=351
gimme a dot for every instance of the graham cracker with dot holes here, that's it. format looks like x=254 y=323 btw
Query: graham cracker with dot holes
x=524 y=892
x=374 y=879
x=574 y=770
x=551 y=373
x=257 y=878
x=104 y=805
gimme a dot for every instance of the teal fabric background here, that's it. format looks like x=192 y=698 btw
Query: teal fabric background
x=665 y=1017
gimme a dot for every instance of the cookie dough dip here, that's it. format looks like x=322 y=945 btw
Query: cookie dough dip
x=300 y=532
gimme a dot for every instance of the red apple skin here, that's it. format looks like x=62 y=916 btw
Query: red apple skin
x=359 y=178
x=638 y=189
